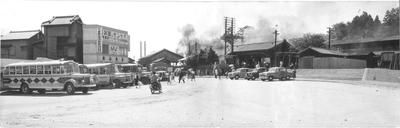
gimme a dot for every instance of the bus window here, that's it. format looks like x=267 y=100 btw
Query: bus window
x=18 y=70
x=25 y=69
x=95 y=71
x=6 y=70
x=12 y=70
x=32 y=70
x=62 y=70
x=47 y=69
x=56 y=69
x=102 y=70
x=40 y=69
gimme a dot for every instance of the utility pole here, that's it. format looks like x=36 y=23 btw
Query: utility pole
x=232 y=29
x=276 y=34
x=329 y=37
x=225 y=34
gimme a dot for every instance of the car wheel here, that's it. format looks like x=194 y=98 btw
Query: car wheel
x=69 y=87
x=236 y=77
x=270 y=78
x=42 y=91
x=85 y=90
x=253 y=78
x=24 y=89
x=287 y=77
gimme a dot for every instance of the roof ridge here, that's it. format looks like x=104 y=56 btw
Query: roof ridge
x=24 y=31
x=65 y=16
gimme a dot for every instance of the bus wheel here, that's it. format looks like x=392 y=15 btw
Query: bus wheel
x=69 y=87
x=42 y=91
x=24 y=89
x=85 y=90
x=124 y=85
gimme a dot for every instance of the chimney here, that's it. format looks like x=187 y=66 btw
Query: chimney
x=144 y=48
x=141 y=49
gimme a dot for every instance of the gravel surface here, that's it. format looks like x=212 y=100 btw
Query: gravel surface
x=210 y=102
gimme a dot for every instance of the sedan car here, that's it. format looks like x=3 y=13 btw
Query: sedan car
x=254 y=73
x=280 y=73
x=239 y=73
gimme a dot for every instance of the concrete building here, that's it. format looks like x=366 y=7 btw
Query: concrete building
x=22 y=45
x=64 y=38
x=103 y=44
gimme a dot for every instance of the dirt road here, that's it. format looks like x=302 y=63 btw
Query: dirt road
x=210 y=103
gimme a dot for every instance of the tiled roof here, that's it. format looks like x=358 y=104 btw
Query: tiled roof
x=19 y=35
x=255 y=46
x=60 y=20
x=150 y=55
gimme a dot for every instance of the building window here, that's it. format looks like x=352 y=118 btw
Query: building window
x=104 y=58
x=122 y=59
x=5 y=53
x=105 y=49
x=109 y=58
x=116 y=58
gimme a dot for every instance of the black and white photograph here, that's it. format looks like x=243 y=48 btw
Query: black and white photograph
x=199 y=63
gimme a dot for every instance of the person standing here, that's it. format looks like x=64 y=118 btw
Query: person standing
x=181 y=74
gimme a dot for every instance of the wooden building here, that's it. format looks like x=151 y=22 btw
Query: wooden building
x=22 y=45
x=264 y=54
x=163 y=58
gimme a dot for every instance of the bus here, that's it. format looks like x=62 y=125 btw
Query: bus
x=42 y=76
x=108 y=74
x=134 y=69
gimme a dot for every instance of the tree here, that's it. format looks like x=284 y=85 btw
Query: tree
x=212 y=56
x=314 y=40
x=391 y=21
x=340 y=30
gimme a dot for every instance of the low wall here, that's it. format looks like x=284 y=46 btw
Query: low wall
x=334 y=74
x=378 y=74
x=330 y=63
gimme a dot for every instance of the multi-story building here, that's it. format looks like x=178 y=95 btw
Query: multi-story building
x=22 y=45
x=103 y=44
x=63 y=38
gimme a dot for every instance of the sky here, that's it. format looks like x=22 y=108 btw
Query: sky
x=159 y=22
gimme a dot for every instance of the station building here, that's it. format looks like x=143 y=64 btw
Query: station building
x=103 y=44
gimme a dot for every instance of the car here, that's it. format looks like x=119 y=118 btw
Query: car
x=239 y=73
x=280 y=73
x=253 y=74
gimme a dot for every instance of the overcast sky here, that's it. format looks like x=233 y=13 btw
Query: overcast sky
x=158 y=22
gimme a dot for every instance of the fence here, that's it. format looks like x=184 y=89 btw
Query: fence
x=330 y=63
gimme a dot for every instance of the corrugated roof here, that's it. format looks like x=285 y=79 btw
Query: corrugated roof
x=19 y=35
x=60 y=20
x=325 y=51
x=365 y=40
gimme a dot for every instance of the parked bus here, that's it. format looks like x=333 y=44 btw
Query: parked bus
x=107 y=74
x=134 y=69
x=43 y=76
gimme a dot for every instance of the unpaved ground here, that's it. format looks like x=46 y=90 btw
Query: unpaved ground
x=210 y=103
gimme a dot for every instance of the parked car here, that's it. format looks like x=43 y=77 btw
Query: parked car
x=280 y=73
x=254 y=73
x=239 y=73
